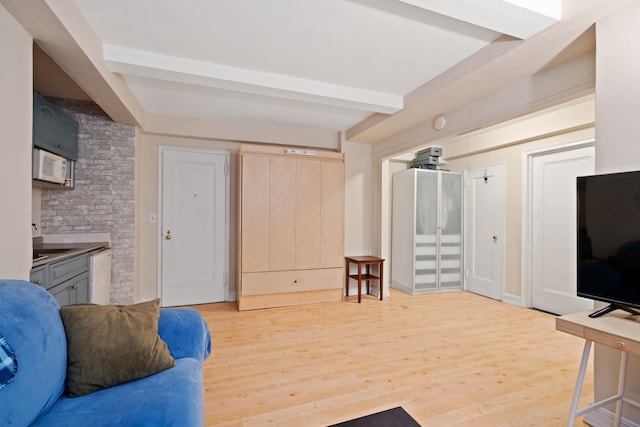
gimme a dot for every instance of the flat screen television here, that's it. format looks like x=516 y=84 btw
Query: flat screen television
x=609 y=240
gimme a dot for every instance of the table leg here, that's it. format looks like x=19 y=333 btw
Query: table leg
x=579 y=381
x=359 y=282
x=622 y=377
x=368 y=281
x=346 y=279
x=381 y=280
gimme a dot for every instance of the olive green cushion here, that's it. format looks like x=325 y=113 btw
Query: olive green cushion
x=112 y=344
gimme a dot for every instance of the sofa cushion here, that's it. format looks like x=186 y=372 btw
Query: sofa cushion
x=174 y=397
x=112 y=344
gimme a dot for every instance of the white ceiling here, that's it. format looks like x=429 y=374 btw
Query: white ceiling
x=312 y=64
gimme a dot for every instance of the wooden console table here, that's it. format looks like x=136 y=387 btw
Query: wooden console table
x=618 y=330
x=367 y=277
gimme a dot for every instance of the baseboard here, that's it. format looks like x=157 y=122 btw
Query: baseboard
x=512 y=299
x=603 y=417
x=232 y=298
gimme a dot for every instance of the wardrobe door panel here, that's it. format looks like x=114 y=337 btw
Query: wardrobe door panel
x=282 y=214
x=255 y=213
x=308 y=214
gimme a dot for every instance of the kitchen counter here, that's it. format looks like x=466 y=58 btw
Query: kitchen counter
x=53 y=252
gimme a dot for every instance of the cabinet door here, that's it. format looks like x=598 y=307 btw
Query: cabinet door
x=403 y=230
x=332 y=214
x=426 y=229
x=254 y=216
x=40 y=276
x=450 y=250
x=53 y=129
x=80 y=287
x=63 y=293
x=73 y=291
x=282 y=214
x=308 y=214
x=45 y=124
x=68 y=143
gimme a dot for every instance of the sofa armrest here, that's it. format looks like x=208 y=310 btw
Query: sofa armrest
x=185 y=332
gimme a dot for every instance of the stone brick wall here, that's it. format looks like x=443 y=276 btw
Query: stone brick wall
x=103 y=199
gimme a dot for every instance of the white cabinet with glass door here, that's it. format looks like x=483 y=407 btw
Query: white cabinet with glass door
x=426 y=248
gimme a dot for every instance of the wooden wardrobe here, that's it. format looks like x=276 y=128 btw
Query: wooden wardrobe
x=290 y=227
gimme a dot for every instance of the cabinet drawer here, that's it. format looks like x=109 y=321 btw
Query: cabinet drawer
x=65 y=270
x=623 y=344
x=274 y=282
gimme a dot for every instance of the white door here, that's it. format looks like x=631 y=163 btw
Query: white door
x=484 y=231
x=553 y=229
x=194 y=226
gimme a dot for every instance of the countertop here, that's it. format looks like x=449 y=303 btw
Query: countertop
x=66 y=250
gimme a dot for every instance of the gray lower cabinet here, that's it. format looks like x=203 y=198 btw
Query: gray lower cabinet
x=73 y=291
x=66 y=280
x=40 y=275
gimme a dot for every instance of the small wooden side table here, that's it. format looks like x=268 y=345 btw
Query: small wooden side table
x=367 y=262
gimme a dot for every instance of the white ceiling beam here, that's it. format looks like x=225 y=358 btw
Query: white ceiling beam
x=517 y=18
x=141 y=63
x=223 y=130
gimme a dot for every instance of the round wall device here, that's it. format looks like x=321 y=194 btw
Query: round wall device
x=439 y=122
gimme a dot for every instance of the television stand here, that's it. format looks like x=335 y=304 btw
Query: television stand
x=612 y=307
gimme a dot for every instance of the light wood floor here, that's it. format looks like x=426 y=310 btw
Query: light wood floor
x=449 y=359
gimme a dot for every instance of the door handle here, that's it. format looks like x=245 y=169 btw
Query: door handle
x=495 y=238
x=168 y=236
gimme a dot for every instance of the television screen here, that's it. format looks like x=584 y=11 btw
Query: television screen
x=609 y=240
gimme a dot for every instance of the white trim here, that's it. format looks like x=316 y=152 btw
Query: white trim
x=527 y=209
x=512 y=299
x=226 y=153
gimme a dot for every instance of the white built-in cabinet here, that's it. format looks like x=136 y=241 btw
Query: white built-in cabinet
x=291 y=227
x=426 y=248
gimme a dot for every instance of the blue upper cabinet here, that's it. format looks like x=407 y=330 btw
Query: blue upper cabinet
x=53 y=129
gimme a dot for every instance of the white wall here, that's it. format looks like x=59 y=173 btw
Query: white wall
x=358 y=228
x=617 y=149
x=15 y=173
x=358 y=205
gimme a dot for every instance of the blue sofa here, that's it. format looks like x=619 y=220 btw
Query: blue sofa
x=31 y=326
